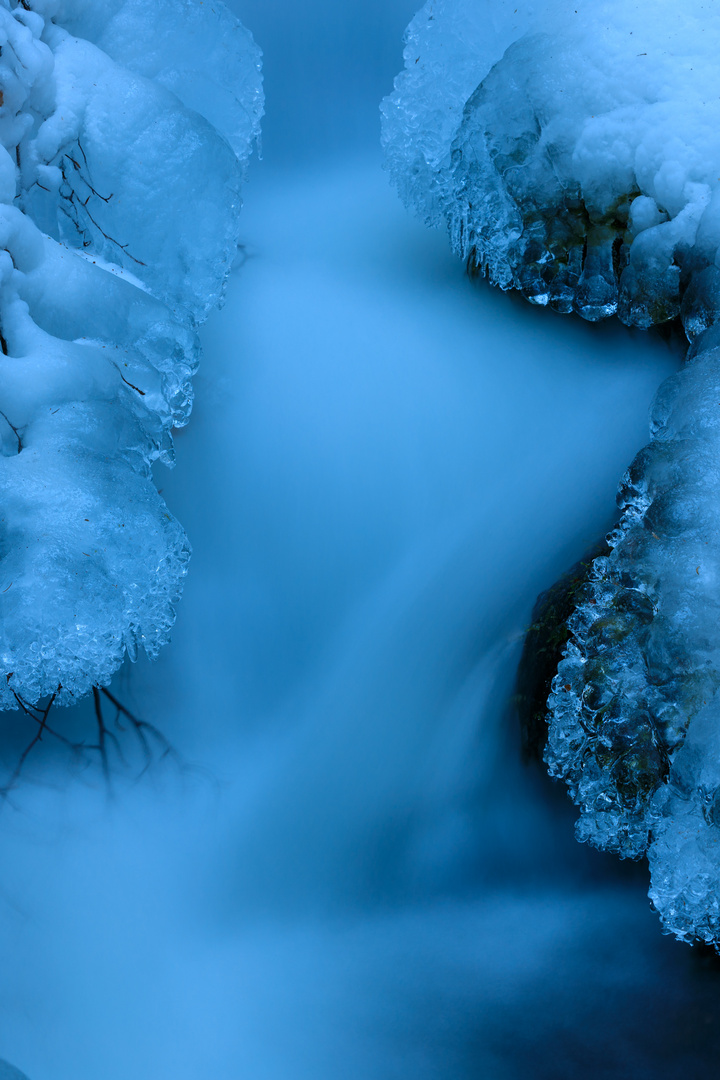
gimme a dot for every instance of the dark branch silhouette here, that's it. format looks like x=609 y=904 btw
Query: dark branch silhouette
x=41 y=718
x=93 y=192
x=9 y=423
x=154 y=746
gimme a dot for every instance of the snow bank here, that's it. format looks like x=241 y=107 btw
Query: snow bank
x=125 y=131
x=572 y=149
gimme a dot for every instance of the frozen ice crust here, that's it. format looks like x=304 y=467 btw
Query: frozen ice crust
x=125 y=130
x=572 y=149
x=573 y=152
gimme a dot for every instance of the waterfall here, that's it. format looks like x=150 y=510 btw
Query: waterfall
x=351 y=873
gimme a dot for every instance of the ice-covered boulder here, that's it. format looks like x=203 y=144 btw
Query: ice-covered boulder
x=573 y=151
x=125 y=128
x=635 y=707
x=571 y=148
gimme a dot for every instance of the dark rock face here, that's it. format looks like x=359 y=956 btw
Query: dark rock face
x=547 y=637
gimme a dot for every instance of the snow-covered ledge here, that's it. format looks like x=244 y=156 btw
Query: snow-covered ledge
x=125 y=128
x=573 y=152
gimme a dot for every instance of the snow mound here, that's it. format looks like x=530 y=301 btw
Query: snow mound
x=572 y=149
x=125 y=131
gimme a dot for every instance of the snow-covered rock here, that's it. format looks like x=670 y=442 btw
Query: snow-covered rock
x=573 y=151
x=635 y=708
x=572 y=148
x=125 y=128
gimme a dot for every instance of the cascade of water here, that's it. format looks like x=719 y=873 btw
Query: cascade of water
x=367 y=533
x=384 y=466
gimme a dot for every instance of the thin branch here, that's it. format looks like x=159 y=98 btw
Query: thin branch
x=71 y=199
x=153 y=744
x=127 y=381
x=78 y=168
x=143 y=729
x=42 y=720
x=105 y=736
x=9 y=424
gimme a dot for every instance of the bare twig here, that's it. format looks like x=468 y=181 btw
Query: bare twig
x=143 y=730
x=78 y=168
x=150 y=738
x=84 y=204
x=104 y=736
x=127 y=381
x=41 y=719
x=11 y=425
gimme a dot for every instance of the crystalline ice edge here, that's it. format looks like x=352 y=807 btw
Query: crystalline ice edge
x=125 y=131
x=573 y=151
x=635 y=709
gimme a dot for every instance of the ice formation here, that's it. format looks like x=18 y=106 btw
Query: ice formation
x=125 y=129
x=573 y=150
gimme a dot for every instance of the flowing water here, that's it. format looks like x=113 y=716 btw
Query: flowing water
x=359 y=879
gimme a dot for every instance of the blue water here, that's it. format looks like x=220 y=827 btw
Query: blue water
x=358 y=880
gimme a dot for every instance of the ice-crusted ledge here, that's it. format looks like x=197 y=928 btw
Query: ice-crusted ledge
x=573 y=152
x=125 y=129
x=635 y=709
x=571 y=149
